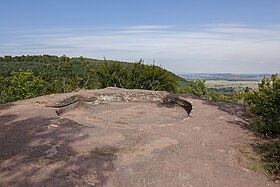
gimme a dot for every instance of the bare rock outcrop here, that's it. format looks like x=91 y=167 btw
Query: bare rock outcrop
x=70 y=101
x=117 y=137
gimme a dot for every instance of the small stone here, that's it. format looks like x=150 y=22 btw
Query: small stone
x=52 y=125
x=52 y=151
x=245 y=169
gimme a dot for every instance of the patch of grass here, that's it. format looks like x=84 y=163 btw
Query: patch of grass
x=269 y=151
x=247 y=157
x=262 y=156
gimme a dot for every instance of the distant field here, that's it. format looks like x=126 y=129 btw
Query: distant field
x=237 y=85
x=224 y=76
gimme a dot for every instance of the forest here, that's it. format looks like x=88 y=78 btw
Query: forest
x=45 y=74
x=30 y=76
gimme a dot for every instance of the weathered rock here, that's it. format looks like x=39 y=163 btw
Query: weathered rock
x=173 y=99
x=84 y=97
x=118 y=137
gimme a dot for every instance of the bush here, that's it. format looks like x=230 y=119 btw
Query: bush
x=265 y=103
x=50 y=74
x=197 y=87
x=22 y=85
x=139 y=76
x=113 y=74
x=151 y=77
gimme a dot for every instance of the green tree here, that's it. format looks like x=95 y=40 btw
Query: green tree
x=197 y=87
x=113 y=74
x=89 y=78
x=265 y=103
x=49 y=75
x=23 y=85
x=66 y=75
x=151 y=77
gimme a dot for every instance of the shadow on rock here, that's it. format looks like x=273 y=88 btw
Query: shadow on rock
x=174 y=99
x=7 y=118
x=38 y=152
x=241 y=123
x=231 y=108
x=6 y=106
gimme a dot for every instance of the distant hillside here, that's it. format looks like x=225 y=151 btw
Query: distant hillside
x=37 y=63
x=23 y=77
x=224 y=76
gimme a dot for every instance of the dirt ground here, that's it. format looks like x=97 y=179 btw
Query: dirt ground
x=123 y=144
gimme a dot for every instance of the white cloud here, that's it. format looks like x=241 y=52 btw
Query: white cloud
x=230 y=48
x=148 y=27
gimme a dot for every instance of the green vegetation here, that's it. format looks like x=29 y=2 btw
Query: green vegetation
x=265 y=103
x=23 y=85
x=139 y=75
x=30 y=76
x=229 y=90
x=232 y=85
x=269 y=151
x=64 y=74
x=197 y=87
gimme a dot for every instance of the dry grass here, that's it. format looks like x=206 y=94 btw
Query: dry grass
x=263 y=156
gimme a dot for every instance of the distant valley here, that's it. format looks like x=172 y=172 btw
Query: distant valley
x=224 y=76
x=227 y=82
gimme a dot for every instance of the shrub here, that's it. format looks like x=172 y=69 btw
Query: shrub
x=197 y=87
x=139 y=76
x=22 y=85
x=265 y=103
x=151 y=77
x=113 y=74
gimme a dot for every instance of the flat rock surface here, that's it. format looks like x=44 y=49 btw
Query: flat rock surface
x=121 y=143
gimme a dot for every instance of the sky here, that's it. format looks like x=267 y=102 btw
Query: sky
x=184 y=36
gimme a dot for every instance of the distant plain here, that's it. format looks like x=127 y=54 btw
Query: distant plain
x=236 y=85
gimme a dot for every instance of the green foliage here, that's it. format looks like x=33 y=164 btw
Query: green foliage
x=30 y=76
x=217 y=96
x=197 y=87
x=34 y=63
x=151 y=77
x=265 y=103
x=88 y=74
x=270 y=155
x=113 y=75
x=66 y=75
x=221 y=95
x=139 y=76
x=22 y=85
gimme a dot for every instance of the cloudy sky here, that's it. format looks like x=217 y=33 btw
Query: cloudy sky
x=184 y=36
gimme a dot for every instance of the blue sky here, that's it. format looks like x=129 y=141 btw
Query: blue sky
x=238 y=36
